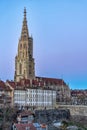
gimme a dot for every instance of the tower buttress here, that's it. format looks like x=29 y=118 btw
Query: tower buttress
x=24 y=61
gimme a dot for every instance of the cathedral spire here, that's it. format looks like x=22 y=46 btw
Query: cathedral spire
x=24 y=32
x=24 y=61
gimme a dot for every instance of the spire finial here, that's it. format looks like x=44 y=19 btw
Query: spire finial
x=24 y=12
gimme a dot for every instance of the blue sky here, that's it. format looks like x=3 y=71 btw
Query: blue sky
x=59 y=30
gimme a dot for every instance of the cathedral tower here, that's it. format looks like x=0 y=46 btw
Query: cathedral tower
x=24 y=61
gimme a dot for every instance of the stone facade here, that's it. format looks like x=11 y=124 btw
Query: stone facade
x=76 y=110
x=50 y=115
x=24 y=61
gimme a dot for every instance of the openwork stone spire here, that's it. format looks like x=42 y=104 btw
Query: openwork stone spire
x=24 y=33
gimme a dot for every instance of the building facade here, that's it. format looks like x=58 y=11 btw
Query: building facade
x=5 y=95
x=20 y=97
x=34 y=97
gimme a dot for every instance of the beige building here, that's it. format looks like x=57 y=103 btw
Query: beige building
x=11 y=85
x=24 y=61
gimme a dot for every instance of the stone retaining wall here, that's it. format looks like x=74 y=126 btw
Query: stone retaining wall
x=75 y=109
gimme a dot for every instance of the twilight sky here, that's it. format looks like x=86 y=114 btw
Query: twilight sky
x=59 y=30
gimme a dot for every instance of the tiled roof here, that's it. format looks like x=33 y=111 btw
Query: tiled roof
x=35 y=82
x=26 y=113
x=3 y=86
x=23 y=126
x=25 y=82
x=77 y=92
x=11 y=83
x=52 y=80
x=8 y=88
x=38 y=83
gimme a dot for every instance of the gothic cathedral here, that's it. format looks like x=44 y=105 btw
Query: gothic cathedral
x=24 y=61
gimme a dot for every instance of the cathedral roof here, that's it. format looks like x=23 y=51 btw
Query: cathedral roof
x=52 y=80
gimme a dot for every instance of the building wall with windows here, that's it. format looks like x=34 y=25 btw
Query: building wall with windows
x=41 y=97
x=5 y=94
x=35 y=97
x=20 y=97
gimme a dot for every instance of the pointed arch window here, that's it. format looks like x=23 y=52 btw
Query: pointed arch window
x=20 y=68
x=20 y=46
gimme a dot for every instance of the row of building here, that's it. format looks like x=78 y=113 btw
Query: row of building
x=44 y=92
x=79 y=97
x=40 y=92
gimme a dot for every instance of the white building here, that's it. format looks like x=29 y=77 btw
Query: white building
x=35 y=97
x=20 y=96
x=41 y=97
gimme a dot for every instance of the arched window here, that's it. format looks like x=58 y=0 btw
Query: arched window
x=20 y=46
x=20 y=68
